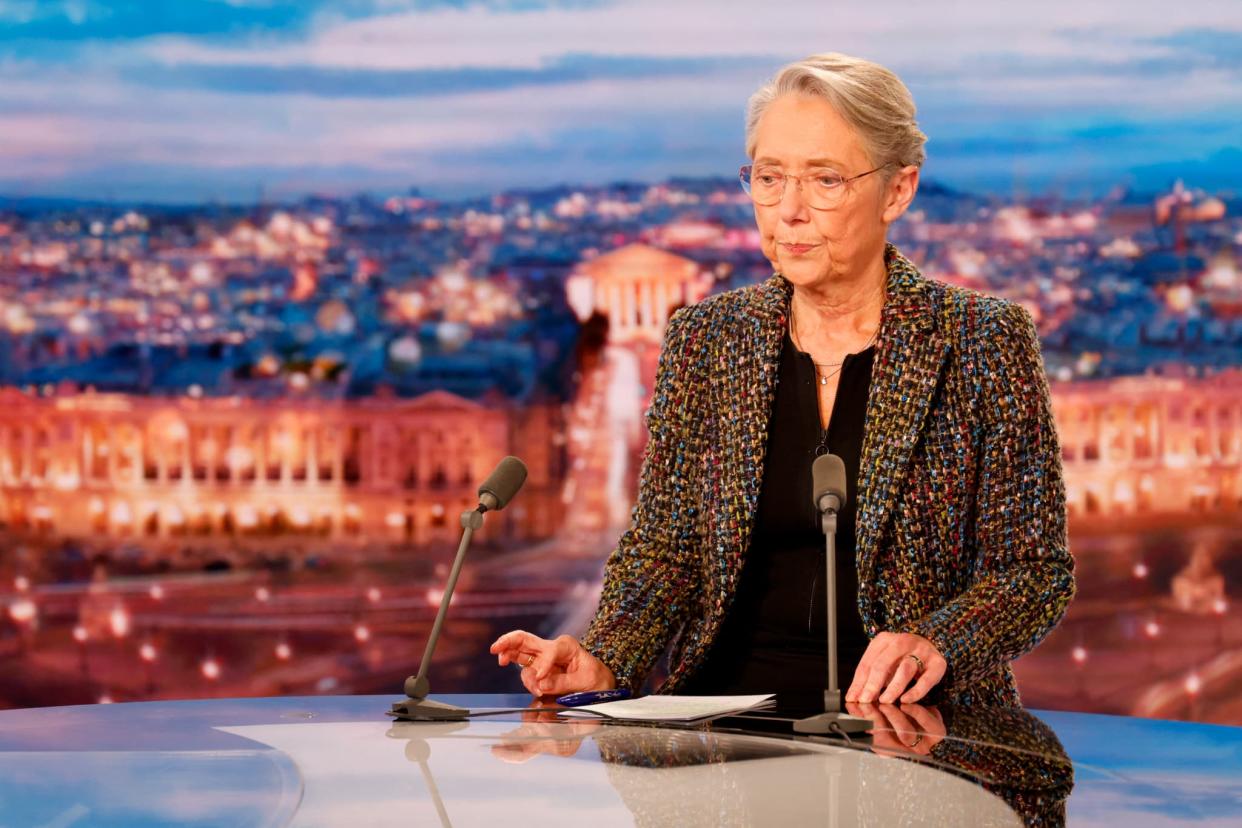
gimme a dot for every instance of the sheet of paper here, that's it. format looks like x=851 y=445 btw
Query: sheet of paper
x=670 y=708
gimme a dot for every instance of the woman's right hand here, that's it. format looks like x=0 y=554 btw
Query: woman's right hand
x=552 y=668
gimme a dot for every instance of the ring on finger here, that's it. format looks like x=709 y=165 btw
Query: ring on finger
x=529 y=660
x=915 y=743
x=918 y=661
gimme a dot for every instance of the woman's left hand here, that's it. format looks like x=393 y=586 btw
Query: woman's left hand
x=886 y=669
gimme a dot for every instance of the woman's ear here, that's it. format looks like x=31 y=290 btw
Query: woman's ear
x=901 y=189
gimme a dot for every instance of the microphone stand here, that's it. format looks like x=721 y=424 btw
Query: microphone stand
x=833 y=720
x=418 y=708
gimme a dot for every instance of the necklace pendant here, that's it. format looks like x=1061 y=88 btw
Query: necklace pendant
x=823 y=380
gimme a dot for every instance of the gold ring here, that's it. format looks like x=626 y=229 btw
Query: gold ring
x=530 y=661
x=915 y=743
x=917 y=660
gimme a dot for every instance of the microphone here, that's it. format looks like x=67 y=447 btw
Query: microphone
x=497 y=490
x=828 y=492
x=828 y=474
x=502 y=484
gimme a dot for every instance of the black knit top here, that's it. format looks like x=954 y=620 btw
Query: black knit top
x=775 y=637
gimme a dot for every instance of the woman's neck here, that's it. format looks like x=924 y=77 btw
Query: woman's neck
x=840 y=312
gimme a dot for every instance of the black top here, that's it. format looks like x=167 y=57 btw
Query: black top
x=775 y=637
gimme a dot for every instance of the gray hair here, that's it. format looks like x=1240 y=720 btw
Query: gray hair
x=869 y=97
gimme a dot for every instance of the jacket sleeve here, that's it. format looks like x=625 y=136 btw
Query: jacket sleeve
x=648 y=577
x=1023 y=577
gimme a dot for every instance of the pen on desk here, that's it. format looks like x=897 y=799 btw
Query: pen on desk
x=593 y=697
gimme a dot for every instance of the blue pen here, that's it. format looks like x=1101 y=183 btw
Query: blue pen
x=593 y=697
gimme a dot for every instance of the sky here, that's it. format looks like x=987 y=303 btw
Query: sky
x=189 y=101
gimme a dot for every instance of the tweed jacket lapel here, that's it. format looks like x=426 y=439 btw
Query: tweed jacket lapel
x=742 y=435
x=910 y=352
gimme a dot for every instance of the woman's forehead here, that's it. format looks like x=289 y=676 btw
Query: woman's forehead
x=806 y=130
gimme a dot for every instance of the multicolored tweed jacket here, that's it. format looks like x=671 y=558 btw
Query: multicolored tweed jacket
x=961 y=517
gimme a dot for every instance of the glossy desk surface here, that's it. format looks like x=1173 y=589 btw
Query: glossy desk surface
x=341 y=761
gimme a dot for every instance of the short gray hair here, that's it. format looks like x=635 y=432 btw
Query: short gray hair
x=869 y=97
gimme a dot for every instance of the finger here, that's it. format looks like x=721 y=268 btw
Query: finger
x=931 y=676
x=559 y=684
x=874 y=652
x=923 y=718
x=864 y=667
x=903 y=673
x=529 y=682
x=878 y=676
x=516 y=655
x=867 y=711
x=509 y=640
x=901 y=724
x=561 y=650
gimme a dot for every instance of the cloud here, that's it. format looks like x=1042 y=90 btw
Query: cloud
x=339 y=82
x=477 y=95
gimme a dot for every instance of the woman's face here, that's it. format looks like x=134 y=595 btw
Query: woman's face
x=809 y=246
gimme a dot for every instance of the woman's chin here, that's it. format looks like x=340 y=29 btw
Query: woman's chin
x=801 y=272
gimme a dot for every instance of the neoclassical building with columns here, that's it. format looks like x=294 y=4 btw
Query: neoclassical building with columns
x=1147 y=445
x=86 y=464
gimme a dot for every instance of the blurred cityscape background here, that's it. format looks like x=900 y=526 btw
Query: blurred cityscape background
x=280 y=283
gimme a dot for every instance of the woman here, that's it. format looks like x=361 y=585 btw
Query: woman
x=952 y=558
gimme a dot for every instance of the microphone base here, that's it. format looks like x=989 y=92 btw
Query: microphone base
x=425 y=710
x=834 y=724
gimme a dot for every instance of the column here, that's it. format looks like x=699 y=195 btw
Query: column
x=27 y=453
x=263 y=435
x=614 y=309
x=312 y=453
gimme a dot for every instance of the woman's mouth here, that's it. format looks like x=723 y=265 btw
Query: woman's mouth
x=798 y=249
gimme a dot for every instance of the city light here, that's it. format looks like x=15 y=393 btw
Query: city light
x=118 y=622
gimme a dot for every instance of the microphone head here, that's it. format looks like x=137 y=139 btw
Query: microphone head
x=503 y=483
x=828 y=474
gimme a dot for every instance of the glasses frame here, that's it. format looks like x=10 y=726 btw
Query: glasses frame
x=745 y=171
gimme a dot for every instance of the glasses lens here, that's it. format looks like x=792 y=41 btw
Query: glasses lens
x=823 y=188
x=743 y=176
x=766 y=186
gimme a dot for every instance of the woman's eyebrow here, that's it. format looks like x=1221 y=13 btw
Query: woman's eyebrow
x=813 y=162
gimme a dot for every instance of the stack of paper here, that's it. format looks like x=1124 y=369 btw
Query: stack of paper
x=671 y=708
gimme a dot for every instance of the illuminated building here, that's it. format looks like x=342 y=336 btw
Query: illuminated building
x=636 y=288
x=380 y=469
x=1146 y=445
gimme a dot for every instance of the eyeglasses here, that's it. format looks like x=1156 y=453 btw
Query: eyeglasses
x=822 y=188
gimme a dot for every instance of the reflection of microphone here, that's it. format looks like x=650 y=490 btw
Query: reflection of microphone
x=829 y=495
x=499 y=488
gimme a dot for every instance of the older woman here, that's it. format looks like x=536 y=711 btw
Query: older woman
x=952 y=556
